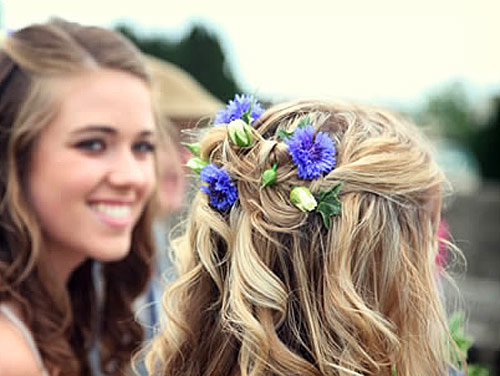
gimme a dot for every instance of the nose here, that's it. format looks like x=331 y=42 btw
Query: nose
x=130 y=171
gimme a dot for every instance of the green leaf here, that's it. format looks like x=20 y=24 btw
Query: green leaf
x=329 y=204
x=194 y=148
x=456 y=326
x=247 y=115
x=304 y=122
x=269 y=176
x=284 y=134
x=477 y=370
x=247 y=118
x=463 y=342
x=457 y=331
x=456 y=323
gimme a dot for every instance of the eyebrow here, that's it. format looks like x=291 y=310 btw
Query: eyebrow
x=106 y=129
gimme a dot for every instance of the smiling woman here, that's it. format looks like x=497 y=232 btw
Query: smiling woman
x=106 y=194
x=77 y=171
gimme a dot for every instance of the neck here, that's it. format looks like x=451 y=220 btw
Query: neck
x=62 y=264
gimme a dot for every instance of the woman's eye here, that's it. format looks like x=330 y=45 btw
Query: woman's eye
x=144 y=147
x=91 y=145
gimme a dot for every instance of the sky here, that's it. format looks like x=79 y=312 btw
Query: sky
x=384 y=51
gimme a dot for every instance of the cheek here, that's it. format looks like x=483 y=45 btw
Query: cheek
x=57 y=188
x=50 y=206
x=57 y=193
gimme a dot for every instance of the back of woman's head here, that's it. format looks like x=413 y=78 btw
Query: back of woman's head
x=30 y=59
x=267 y=289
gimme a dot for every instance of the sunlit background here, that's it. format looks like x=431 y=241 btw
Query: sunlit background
x=436 y=61
x=390 y=51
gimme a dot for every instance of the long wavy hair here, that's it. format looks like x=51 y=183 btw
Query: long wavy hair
x=63 y=324
x=267 y=290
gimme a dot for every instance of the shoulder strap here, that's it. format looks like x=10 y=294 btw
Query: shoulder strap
x=21 y=327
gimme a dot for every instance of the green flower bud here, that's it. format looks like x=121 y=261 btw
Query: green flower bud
x=194 y=148
x=240 y=133
x=269 y=176
x=303 y=199
x=196 y=164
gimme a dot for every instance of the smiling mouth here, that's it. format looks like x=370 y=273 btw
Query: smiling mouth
x=115 y=215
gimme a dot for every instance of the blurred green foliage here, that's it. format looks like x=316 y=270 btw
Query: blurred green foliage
x=485 y=143
x=463 y=343
x=199 y=53
x=451 y=110
x=475 y=370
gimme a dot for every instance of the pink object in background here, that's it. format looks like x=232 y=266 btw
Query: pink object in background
x=443 y=238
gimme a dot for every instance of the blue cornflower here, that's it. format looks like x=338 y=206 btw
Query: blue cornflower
x=313 y=155
x=221 y=190
x=237 y=108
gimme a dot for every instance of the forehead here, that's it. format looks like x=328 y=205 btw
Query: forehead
x=102 y=97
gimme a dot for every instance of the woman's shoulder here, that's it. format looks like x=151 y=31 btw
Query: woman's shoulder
x=16 y=356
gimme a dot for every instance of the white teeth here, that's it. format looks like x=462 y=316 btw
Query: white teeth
x=115 y=211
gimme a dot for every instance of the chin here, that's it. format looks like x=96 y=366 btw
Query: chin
x=112 y=258
x=112 y=253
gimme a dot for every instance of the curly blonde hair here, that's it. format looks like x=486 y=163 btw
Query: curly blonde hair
x=268 y=290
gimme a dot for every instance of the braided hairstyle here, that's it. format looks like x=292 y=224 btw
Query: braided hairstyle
x=266 y=289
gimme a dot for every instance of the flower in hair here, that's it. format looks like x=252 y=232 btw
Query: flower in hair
x=220 y=189
x=194 y=148
x=269 y=176
x=196 y=164
x=244 y=107
x=240 y=133
x=314 y=155
x=303 y=199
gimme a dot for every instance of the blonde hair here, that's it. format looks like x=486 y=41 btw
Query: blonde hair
x=267 y=290
x=63 y=323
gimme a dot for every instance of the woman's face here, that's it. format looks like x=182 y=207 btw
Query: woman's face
x=92 y=168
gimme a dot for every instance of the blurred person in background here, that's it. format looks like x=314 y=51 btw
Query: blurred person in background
x=173 y=179
x=182 y=105
x=172 y=191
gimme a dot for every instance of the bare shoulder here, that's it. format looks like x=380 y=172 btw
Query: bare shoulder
x=16 y=357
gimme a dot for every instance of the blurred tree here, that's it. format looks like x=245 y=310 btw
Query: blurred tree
x=451 y=111
x=199 y=53
x=485 y=144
